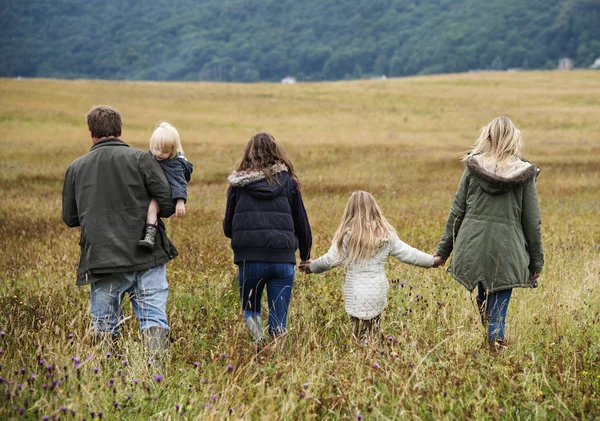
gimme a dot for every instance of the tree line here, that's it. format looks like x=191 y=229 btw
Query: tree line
x=266 y=40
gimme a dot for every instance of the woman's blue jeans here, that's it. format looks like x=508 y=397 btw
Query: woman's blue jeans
x=496 y=308
x=279 y=280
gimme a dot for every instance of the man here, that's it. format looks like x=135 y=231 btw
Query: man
x=107 y=192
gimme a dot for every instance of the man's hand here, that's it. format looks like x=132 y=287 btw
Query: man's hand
x=180 y=208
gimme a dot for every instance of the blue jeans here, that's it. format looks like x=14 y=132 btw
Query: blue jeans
x=279 y=280
x=148 y=291
x=496 y=308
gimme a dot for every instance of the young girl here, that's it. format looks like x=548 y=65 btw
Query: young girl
x=364 y=241
x=166 y=148
x=494 y=225
x=266 y=221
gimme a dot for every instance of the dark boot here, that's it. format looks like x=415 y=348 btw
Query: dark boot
x=149 y=237
x=156 y=343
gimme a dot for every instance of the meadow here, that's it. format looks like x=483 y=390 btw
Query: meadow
x=401 y=140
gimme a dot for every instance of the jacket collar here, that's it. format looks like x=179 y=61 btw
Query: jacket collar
x=515 y=171
x=109 y=141
x=243 y=178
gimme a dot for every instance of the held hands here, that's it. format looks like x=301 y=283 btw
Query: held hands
x=438 y=260
x=304 y=266
x=180 y=208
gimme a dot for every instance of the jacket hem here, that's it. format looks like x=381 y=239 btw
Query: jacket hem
x=492 y=290
x=264 y=255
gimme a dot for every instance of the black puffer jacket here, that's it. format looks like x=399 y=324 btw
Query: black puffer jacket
x=266 y=222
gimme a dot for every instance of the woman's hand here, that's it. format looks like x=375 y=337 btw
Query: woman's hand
x=438 y=260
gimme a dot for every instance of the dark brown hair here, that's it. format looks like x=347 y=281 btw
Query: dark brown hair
x=104 y=121
x=261 y=153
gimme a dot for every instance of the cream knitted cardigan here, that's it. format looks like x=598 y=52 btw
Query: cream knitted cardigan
x=366 y=287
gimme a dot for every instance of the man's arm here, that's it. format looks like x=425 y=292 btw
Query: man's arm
x=69 y=204
x=157 y=185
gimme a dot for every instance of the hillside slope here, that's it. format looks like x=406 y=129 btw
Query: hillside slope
x=250 y=40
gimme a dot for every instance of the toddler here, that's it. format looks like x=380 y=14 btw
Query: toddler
x=166 y=148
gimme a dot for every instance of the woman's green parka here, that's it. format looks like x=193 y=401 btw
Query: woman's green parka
x=494 y=227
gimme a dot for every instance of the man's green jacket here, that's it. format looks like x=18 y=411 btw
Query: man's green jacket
x=107 y=192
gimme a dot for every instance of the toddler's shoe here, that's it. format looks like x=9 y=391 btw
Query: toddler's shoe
x=149 y=237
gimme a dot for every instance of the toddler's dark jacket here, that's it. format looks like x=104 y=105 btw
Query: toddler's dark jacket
x=179 y=172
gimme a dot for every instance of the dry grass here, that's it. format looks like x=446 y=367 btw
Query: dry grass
x=399 y=139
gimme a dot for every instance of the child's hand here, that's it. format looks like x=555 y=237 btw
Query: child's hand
x=304 y=266
x=180 y=209
x=438 y=260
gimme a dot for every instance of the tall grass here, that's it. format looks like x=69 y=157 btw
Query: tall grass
x=400 y=140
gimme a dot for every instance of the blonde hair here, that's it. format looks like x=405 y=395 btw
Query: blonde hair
x=363 y=226
x=261 y=153
x=499 y=141
x=165 y=138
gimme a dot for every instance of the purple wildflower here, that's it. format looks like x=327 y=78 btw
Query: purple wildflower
x=230 y=368
x=376 y=365
x=116 y=404
x=158 y=377
x=196 y=364
x=96 y=370
x=302 y=395
x=500 y=411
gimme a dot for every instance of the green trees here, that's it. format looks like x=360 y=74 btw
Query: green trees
x=251 y=40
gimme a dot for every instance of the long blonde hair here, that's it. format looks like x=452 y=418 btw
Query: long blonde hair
x=498 y=142
x=261 y=153
x=364 y=226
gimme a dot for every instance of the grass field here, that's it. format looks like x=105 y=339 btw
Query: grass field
x=399 y=139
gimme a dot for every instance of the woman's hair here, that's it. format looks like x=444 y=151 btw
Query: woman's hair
x=165 y=138
x=261 y=153
x=499 y=141
x=104 y=121
x=363 y=225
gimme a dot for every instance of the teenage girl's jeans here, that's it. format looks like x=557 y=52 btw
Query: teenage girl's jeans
x=279 y=279
x=495 y=308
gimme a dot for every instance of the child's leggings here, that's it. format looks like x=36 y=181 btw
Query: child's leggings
x=495 y=310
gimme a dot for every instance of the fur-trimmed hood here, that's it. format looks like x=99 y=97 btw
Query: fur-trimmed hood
x=255 y=182
x=498 y=180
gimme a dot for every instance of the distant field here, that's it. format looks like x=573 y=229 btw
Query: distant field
x=400 y=139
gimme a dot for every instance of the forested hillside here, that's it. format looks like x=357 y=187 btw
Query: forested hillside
x=251 y=40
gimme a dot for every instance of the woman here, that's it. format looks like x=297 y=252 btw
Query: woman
x=266 y=221
x=494 y=225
